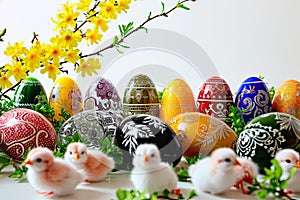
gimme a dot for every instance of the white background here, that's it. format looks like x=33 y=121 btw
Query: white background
x=242 y=38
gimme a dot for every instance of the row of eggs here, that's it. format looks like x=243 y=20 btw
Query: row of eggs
x=189 y=134
x=140 y=97
x=196 y=132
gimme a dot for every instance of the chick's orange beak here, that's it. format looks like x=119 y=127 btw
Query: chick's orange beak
x=76 y=156
x=297 y=165
x=27 y=162
x=146 y=159
x=236 y=163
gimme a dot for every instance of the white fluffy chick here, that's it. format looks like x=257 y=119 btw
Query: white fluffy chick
x=94 y=164
x=245 y=173
x=215 y=174
x=149 y=172
x=50 y=175
x=289 y=158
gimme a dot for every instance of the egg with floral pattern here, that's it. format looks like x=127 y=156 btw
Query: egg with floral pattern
x=267 y=134
x=201 y=134
x=140 y=96
x=177 y=98
x=253 y=98
x=287 y=98
x=103 y=96
x=91 y=125
x=141 y=128
x=27 y=93
x=21 y=129
x=215 y=98
x=65 y=94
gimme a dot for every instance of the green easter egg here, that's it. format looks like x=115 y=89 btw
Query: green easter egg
x=27 y=93
x=267 y=134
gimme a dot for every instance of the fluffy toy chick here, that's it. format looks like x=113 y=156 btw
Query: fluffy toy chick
x=289 y=158
x=49 y=175
x=149 y=172
x=215 y=174
x=246 y=172
x=93 y=163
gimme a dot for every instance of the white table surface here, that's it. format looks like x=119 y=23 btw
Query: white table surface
x=10 y=189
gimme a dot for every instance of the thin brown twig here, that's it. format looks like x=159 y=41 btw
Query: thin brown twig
x=9 y=89
x=164 y=14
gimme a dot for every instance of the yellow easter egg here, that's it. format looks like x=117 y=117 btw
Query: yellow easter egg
x=201 y=134
x=287 y=98
x=177 y=98
x=65 y=94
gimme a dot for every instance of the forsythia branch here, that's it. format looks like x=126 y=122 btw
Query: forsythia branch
x=142 y=26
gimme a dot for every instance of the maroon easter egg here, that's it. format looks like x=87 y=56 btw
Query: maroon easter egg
x=23 y=128
x=215 y=98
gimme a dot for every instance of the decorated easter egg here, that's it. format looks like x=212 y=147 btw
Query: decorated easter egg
x=287 y=98
x=215 y=98
x=177 y=98
x=141 y=128
x=200 y=134
x=140 y=96
x=102 y=95
x=91 y=126
x=253 y=98
x=27 y=93
x=65 y=94
x=23 y=128
x=265 y=135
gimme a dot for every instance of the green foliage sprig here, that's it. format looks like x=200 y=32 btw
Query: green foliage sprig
x=235 y=119
x=271 y=89
x=137 y=195
x=109 y=148
x=182 y=173
x=272 y=183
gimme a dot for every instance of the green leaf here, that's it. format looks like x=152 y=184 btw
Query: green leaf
x=192 y=194
x=115 y=40
x=119 y=51
x=277 y=168
x=180 y=5
x=121 y=30
x=149 y=16
x=163 y=8
x=262 y=194
x=121 y=194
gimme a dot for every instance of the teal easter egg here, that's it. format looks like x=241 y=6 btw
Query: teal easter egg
x=267 y=134
x=27 y=93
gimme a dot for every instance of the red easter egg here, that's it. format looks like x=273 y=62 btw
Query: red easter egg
x=23 y=128
x=215 y=98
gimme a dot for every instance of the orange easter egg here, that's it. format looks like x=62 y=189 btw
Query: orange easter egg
x=65 y=94
x=287 y=98
x=201 y=134
x=177 y=98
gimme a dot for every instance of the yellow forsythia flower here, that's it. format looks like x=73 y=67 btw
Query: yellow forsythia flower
x=54 y=52
x=123 y=5
x=93 y=37
x=109 y=10
x=72 y=55
x=100 y=22
x=51 y=69
x=17 y=70
x=15 y=50
x=34 y=56
x=69 y=39
x=4 y=81
x=89 y=67
x=67 y=17
x=84 y=5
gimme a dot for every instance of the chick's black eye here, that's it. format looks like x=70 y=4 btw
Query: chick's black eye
x=152 y=155
x=82 y=153
x=227 y=160
x=288 y=161
x=70 y=152
x=39 y=160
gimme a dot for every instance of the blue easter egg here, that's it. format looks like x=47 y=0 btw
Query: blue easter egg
x=253 y=98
